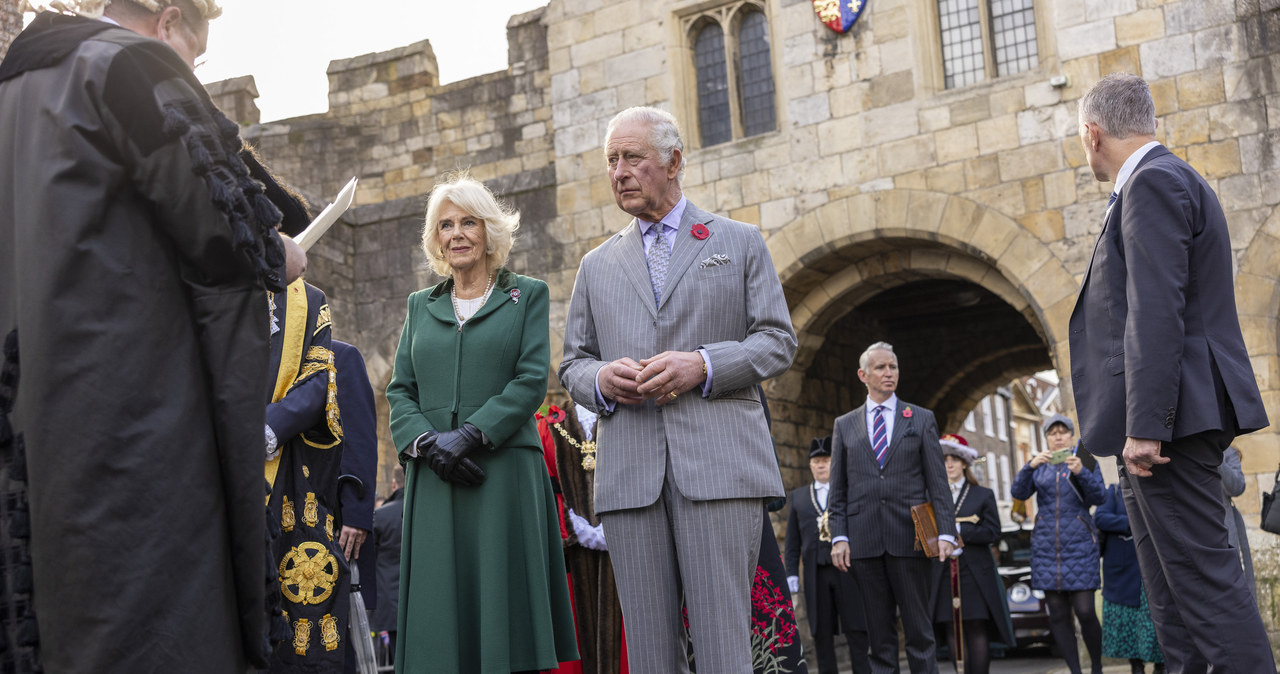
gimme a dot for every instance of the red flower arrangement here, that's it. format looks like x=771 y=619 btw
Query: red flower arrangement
x=554 y=414
x=700 y=231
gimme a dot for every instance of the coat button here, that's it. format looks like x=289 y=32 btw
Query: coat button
x=881 y=476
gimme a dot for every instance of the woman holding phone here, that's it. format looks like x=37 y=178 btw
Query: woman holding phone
x=1064 y=544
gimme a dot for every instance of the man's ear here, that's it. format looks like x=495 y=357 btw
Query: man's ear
x=677 y=160
x=167 y=21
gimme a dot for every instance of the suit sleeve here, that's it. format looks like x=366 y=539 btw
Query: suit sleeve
x=406 y=418
x=838 y=499
x=770 y=344
x=360 y=437
x=581 y=360
x=1156 y=233
x=935 y=478
x=504 y=414
x=1093 y=490
x=1111 y=516
x=791 y=551
x=303 y=407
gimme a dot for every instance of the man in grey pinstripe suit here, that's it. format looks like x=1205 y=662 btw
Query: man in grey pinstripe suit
x=885 y=459
x=673 y=322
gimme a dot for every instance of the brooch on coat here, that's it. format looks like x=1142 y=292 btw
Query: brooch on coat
x=515 y=295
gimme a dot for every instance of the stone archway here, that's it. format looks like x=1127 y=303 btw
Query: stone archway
x=888 y=263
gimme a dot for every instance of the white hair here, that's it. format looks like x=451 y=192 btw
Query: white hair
x=469 y=194
x=865 y=358
x=208 y=9
x=664 y=132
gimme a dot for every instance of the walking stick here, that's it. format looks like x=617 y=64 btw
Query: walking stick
x=957 y=653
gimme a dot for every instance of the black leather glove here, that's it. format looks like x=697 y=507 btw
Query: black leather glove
x=447 y=456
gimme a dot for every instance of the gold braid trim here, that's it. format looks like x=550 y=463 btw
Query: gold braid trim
x=320 y=359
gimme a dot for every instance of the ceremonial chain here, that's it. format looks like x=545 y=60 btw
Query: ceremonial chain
x=453 y=295
x=824 y=519
x=587 y=448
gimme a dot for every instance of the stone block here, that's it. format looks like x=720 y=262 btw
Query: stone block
x=1164 y=93
x=935 y=119
x=893 y=88
x=1087 y=39
x=1240 y=192
x=1081 y=74
x=1141 y=26
x=1260 y=152
x=1252 y=79
x=578 y=139
x=1066 y=14
x=850 y=99
x=799 y=49
x=947 y=179
x=1169 y=56
x=859 y=166
x=982 y=172
x=1189 y=16
x=1230 y=120
x=1023 y=259
x=1005 y=198
x=1041 y=94
x=907 y=155
x=1122 y=60
x=1084 y=220
x=1187 y=128
x=1216 y=47
x=1060 y=189
x=1037 y=125
x=636 y=65
x=1045 y=225
x=1006 y=101
x=1215 y=160
x=994 y=234
x=737 y=164
x=998 y=134
x=892 y=24
x=971 y=109
x=957 y=143
x=809 y=109
x=1096 y=10
x=1200 y=88
x=596 y=49
x=959 y=219
x=894 y=122
x=896 y=55
x=1033 y=193
x=1030 y=160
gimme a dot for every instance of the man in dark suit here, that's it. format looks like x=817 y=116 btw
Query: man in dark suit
x=830 y=596
x=388 y=522
x=1162 y=378
x=886 y=460
x=360 y=459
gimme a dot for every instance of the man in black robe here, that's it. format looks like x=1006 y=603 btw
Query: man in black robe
x=134 y=254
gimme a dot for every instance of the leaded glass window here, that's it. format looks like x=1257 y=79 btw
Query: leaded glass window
x=713 y=85
x=1013 y=29
x=986 y=38
x=756 y=74
x=962 y=58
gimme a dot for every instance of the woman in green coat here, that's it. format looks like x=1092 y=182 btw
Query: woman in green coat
x=482 y=575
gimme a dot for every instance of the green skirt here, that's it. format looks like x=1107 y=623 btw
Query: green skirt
x=1127 y=632
x=482 y=573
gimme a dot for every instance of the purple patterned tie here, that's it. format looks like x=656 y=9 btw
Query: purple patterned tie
x=879 y=435
x=658 y=258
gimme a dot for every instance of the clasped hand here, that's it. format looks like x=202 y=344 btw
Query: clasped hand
x=654 y=378
x=447 y=454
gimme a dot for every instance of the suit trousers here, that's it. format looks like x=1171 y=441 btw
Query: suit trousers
x=828 y=580
x=704 y=552
x=1203 y=610
x=888 y=582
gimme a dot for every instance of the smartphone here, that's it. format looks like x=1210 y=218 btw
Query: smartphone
x=1060 y=456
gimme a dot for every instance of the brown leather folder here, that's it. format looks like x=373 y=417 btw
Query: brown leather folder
x=927 y=529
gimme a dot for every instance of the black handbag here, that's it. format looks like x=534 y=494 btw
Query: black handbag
x=1271 y=515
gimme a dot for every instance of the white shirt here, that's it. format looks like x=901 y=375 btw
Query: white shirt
x=890 y=413
x=1130 y=164
x=820 y=490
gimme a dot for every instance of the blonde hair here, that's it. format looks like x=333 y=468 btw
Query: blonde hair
x=500 y=221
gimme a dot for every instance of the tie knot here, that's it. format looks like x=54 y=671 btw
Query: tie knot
x=880 y=409
x=1112 y=199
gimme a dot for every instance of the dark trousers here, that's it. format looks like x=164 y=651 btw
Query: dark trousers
x=1203 y=611
x=828 y=580
x=889 y=582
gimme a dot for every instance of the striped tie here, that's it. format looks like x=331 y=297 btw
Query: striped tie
x=879 y=436
x=1112 y=199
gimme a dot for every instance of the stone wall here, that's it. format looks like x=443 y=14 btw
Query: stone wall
x=10 y=23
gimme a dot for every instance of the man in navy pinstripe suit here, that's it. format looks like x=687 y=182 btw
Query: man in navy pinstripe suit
x=885 y=459
x=673 y=323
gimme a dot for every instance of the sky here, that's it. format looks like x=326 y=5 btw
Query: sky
x=287 y=44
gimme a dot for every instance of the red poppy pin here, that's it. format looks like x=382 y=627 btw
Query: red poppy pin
x=700 y=231
x=906 y=413
x=515 y=295
x=555 y=415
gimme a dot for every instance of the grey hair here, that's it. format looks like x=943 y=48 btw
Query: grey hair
x=664 y=133
x=865 y=358
x=469 y=194
x=1121 y=104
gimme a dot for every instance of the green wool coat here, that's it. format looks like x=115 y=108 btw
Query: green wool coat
x=482 y=574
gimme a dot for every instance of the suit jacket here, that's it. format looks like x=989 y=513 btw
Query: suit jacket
x=1158 y=353
x=803 y=546
x=388 y=521
x=359 y=457
x=732 y=306
x=872 y=505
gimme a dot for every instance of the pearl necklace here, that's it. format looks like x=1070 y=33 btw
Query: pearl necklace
x=453 y=295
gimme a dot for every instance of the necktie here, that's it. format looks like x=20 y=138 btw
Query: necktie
x=879 y=436
x=1112 y=199
x=659 y=256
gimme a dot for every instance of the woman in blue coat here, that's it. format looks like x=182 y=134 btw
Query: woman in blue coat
x=1064 y=545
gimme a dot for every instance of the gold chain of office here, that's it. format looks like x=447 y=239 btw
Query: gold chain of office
x=587 y=447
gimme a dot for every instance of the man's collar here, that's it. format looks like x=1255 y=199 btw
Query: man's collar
x=109 y=20
x=822 y=485
x=1130 y=164
x=891 y=404
x=671 y=219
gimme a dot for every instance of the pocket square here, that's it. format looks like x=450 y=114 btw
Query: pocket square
x=715 y=261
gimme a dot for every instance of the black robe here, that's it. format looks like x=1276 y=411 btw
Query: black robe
x=134 y=251
x=313 y=573
x=977 y=568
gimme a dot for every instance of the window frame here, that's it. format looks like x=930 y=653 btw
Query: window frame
x=729 y=16
x=931 y=49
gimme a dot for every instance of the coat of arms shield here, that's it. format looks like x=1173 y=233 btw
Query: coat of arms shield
x=839 y=15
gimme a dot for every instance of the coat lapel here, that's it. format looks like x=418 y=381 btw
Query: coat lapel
x=900 y=426
x=687 y=248
x=629 y=256
x=440 y=305
x=860 y=438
